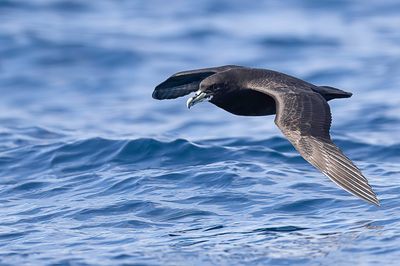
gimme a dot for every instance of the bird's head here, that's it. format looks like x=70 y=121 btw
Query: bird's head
x=236 y=100
x=213 y=94
x=229 y=92
x=214 y=88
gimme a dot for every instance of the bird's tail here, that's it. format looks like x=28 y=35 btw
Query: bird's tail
x=330 y=93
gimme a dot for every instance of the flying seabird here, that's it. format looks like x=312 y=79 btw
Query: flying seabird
x=302 y=113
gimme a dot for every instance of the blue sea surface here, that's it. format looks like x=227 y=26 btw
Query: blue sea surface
x=93 y=171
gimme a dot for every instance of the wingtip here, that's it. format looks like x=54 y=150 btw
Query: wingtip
x=155 y=94
x=377 y=202
x=372 y=200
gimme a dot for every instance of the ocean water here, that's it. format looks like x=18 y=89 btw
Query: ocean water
x=93 y=171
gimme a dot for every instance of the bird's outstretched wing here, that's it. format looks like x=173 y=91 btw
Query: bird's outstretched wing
x=185 y=82
x=304 y=117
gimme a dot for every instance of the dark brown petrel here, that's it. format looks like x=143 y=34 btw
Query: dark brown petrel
x=302 y=112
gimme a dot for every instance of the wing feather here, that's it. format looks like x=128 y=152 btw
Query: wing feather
x=304 y=117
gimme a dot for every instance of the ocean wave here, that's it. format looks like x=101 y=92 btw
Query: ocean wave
x=171 y=187
x=40 y=145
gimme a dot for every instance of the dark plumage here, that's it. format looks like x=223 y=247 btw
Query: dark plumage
x=302 y=112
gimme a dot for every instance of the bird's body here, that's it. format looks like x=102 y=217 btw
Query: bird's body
x=301 y=108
